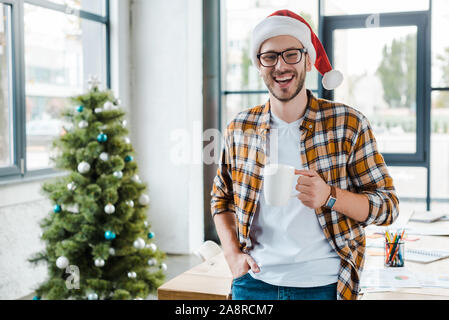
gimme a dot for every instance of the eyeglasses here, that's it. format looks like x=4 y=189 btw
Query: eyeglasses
x=290 y=56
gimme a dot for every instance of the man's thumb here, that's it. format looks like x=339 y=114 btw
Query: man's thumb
x=252 y=264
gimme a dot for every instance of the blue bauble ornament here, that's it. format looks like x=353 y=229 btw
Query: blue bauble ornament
x=57 y=208
x=80 y=109
x=128 y=158
x=109 y=235
x=151 y=235
x=102 y=137
x=36 y=298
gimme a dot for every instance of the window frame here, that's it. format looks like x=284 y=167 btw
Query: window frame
x=18 y=172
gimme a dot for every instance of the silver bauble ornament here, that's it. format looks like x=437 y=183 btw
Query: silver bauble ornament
x=83 y=124
x=152 y=262
x=62 y=262
x=130 y=203
x=127 y=140
x=144 y=199
x=108 y=105
x=151 y=246
x=104 y=156
x=139 y=243
x=98 y=110
x=92 y=296
x=83 y=167
x=99 y=262
x=132 y=275
x=136 y=179
x=163 y=266
x=109 y=208
x=118 y=174
x=71 y=186
x=112 y=251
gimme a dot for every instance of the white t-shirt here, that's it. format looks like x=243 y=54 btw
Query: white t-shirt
x=289 y=244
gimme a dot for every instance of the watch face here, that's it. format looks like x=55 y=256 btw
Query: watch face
x=331 y=202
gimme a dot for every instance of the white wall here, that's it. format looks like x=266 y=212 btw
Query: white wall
x=166 y=98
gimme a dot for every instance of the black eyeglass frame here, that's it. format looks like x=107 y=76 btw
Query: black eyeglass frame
x=302 y=50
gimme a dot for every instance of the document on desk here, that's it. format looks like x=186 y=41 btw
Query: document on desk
x=433 y=280
x=389 y=278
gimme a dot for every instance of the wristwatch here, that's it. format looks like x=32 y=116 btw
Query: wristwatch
x=332 y=198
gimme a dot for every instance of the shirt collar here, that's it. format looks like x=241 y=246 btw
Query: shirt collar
x=309 y=116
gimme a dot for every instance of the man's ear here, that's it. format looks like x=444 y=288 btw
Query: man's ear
x=308 y=63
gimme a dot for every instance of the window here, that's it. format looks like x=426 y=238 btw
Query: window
x=240 y=77
x=6 y=134
x=64 y=42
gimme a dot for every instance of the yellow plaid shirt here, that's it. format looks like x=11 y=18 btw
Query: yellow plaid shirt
x=338 y=143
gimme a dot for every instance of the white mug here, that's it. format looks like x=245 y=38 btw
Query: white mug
x=278 y=182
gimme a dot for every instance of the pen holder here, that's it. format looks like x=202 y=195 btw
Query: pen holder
x=394 y=254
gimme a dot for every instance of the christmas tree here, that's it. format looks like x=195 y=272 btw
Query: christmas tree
x=98 y=240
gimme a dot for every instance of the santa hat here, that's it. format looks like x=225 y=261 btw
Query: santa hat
x=285 y=22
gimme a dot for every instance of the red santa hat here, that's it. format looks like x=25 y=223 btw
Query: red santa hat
x=285 y=22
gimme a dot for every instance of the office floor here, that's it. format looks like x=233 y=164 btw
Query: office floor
x=176 y=264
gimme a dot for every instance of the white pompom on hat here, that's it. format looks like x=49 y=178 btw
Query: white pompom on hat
x=286 y=22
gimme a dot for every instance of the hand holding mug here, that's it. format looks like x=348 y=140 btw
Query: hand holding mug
x=313 y=190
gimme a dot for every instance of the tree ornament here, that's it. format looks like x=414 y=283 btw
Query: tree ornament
x=102 y=137
x=127 y=140
x=73 y=208
x=71 y=186
x=118 y=174
x=136 y=179
x=104 y=156
x=98 y=110
x=92 y=296
x=124 y=123
x=62 y=262
x=112 y=251
x=109 y=235
x=83 y=167
x=99 y=262
x=83 y=124
x=163 y=266
x=57 y=208
x=108 y=105
x=138 y=298
x=109 y=208
x=93 y=82
x=79 y=109
x=139 y=243
x=130 y=203
x=151 y=246
x=151 y=235
x=132 y=275
x=128 y=158
x=36 y=298
x=144 y=199
x=145 y=223
x=152 y=262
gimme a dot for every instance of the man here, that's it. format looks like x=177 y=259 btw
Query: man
x=314 y=247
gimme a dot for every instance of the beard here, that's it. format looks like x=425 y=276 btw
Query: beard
x=283 y=96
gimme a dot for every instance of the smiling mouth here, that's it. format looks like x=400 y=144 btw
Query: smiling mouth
x=284 y=81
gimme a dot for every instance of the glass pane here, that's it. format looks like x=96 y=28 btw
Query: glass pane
x=234 y=103
x=379 y=66
x=342 y=7
x=61 y=51
x=411 y=186
x=94 y=6
x=240 y=19
x=439 y=159
x=440 y=43
x=6 y=133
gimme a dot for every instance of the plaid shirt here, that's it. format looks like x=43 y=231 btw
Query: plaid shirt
x=338 y=143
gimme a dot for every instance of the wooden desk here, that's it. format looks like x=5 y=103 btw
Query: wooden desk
x=440 y=266
x=211 y=280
